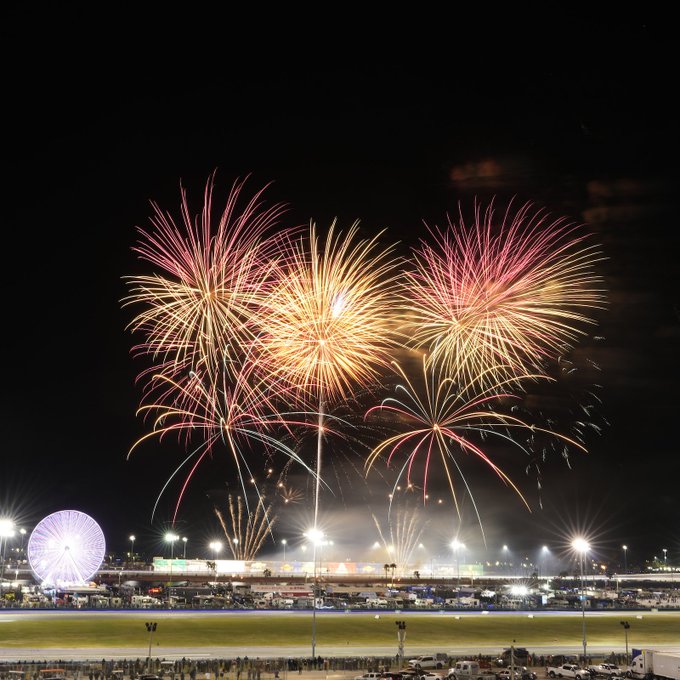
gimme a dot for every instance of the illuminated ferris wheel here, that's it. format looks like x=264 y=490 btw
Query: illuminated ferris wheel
x=66 y=547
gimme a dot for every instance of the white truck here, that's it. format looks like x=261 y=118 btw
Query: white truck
x=651 y=663
x=568 y=670
x=428 y=661
x=469 y=670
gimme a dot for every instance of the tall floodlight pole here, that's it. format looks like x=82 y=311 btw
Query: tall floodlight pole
x=6 y=532
x=456 y=545
x=581 y=546
x=315 y=536
x=626 y=626
x=401 y=636
x=150 y=627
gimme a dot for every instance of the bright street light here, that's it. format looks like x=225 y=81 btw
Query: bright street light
x=284 y=542
x=184 y=540
x=132 y=546
x=625 y=559
x=171 y=538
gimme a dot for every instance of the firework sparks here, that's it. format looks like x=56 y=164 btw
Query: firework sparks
x=197 y=314
x=506 y=295
x=289 y=494
x=441 y=423
x=401 y=536
x=231 y=416
x=326 y=326
x=246 y=531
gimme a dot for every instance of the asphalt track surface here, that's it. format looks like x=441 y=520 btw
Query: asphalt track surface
x=93 y=653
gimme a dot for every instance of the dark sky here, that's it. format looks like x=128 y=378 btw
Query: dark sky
x=392 y=133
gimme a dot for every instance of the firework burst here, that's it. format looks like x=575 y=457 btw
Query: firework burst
x=506 y=294
x=197 y=313
x=328 y=324
x=439 y=423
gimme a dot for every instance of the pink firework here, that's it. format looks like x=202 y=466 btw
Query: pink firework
x=503 y=294
x=197 y=308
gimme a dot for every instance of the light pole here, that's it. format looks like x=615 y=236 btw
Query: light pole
x=457 y=545
x=581 y=546
x=132 y=547
x=401 y=636
x=6 y=532
x=625 y=559
x=626 y=626
x=22 y=532
x=184 y=553
x=150 y=627
x=284 y=542
x=171 y=538
x=545 y=552
x=215 y=546
x=315 y=536
x=665 y=556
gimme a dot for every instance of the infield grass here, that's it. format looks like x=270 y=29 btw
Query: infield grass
x=234 y=629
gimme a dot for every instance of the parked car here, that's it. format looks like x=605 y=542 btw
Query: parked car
x=568 y=670
x=609 y=670
x=426 y=662
x=369 y=676
x=516 y=673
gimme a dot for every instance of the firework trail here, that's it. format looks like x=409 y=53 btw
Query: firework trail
x=232 y=417
x=401 y=536
x=438 y=423
x=246 y=531
x=570 y=402
x=507 y=294
x=197 y=312
x=326 y=326
x=289 y=494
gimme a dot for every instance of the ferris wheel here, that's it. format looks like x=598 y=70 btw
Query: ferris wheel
x=66 y=547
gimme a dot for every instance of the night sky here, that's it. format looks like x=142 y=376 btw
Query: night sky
x=394 y=136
